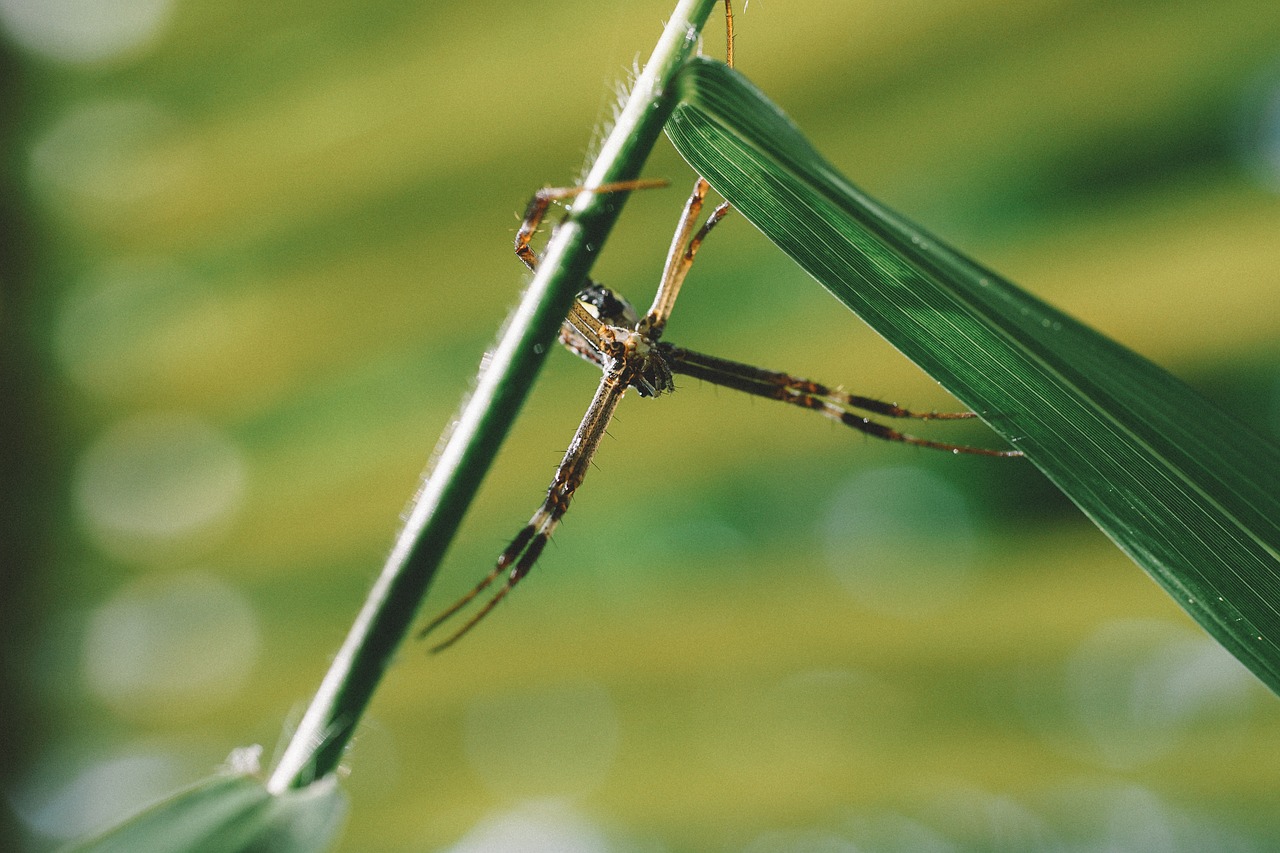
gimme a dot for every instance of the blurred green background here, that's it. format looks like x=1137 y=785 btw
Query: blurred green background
x=253 y=255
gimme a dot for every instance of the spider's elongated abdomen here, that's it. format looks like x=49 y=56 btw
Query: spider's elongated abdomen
x=608 y=307
x=604 y=308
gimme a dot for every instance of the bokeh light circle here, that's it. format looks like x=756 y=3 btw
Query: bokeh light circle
x=159 y=477
x=83 y=30
x=901 y=540
x=171 y=645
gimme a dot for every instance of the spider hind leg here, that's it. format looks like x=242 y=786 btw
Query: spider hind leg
x=519 y=557
x=527 y=546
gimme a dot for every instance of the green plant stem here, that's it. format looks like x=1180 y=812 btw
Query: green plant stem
x=387 y=615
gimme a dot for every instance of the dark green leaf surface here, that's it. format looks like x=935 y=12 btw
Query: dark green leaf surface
x=232 y=814
x=1185 y=490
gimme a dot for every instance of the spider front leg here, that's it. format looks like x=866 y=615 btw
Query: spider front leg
x=537 y=208
x=524 y=550
x=684 y=247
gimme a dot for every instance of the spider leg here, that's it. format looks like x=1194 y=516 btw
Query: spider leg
x=524 y=550
x=536 y=210
x=684 y=246
x=832 y=403
x=728 y=33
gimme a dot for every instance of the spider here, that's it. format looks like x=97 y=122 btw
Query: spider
x=606 y=330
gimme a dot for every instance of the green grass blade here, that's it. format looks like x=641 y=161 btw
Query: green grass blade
x=1190 y=494
x=231 y=814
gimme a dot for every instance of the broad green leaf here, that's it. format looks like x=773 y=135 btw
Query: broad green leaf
x=232 y=814
x=1190 y=494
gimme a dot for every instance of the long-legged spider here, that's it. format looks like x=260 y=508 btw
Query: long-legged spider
x=603 y=328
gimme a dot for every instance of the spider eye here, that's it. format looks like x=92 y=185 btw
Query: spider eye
x=607 y=306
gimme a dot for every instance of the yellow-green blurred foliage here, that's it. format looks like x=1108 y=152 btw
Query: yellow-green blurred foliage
x=256 y=252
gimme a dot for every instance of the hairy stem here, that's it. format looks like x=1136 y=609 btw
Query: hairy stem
x=387 y=615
